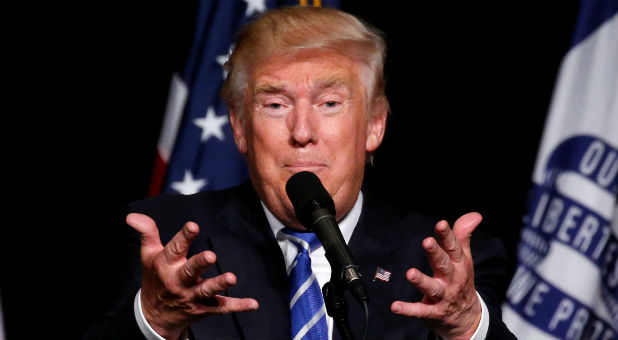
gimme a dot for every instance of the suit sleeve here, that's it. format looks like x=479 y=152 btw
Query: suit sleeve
x=491 y=280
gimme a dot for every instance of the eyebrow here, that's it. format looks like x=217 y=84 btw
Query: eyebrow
x=322 y=84
x=331 y=82
x=268 y=88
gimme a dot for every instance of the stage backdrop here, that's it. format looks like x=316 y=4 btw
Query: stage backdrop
x=469 y=84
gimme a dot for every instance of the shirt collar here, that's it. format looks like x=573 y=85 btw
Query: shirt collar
x=346 y=225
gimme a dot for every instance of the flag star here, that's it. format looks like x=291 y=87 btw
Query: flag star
x=189 y=185
x=254 y=6
x=212 y=125
x=222 y=59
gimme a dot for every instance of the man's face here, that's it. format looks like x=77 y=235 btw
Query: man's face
x=307 y=113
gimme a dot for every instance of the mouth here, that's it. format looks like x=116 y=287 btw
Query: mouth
x=304 y=166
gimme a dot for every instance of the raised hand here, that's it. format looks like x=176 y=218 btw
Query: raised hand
x=173 y=293
x=450 y=305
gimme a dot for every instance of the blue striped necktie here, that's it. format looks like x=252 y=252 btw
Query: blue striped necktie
x=306 y=302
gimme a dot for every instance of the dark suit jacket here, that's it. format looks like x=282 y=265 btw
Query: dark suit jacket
x=233 y=225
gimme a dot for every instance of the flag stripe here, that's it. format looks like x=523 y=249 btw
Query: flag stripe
x=158 y=176
x=177 y=98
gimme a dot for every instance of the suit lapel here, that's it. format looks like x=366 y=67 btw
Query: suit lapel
x=373 y=243
x=245 y=246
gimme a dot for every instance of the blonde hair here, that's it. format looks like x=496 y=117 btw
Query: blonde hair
x=289 y=30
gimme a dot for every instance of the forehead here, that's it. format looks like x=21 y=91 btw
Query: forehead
x=313 y=70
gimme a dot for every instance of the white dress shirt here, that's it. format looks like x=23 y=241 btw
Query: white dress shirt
x=319 y=265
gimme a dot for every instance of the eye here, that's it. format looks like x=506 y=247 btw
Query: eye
x=330 y=107
x=274 y=107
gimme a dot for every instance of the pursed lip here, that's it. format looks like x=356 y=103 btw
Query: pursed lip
x=305 y=166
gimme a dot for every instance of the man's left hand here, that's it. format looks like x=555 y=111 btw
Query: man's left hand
x=450 y=305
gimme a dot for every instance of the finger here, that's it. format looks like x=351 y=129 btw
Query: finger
x=464 y=226
x=195 y=266
x=178 y=246
x=416 y=309
x=208 y=288
x=149 y=233
x=448 y=241
x=224 y=305
x=439 y=260
x=430 y=287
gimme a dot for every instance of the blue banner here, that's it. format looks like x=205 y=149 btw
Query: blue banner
x=566 y=282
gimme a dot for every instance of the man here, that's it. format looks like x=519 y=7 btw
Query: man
x=305 y=92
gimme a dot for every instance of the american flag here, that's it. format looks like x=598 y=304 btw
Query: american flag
x=196 y=149
x=381 y=274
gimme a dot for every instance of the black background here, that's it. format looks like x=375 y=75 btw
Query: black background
x=469 y=86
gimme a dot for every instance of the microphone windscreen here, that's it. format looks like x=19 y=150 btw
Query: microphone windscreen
x=304 y=190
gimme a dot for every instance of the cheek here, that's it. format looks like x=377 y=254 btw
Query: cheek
x=357 y=135
x=267 y=140
x=348 y=142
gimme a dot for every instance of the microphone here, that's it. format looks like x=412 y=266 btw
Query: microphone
x=315 y=209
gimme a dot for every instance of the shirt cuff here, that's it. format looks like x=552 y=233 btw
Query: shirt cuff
x=483 y=327
x=481 y=330
x=148 y=332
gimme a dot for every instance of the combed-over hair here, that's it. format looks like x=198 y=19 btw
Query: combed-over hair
x=289 y=30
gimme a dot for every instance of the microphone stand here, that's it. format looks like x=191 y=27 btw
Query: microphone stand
x=337 y=308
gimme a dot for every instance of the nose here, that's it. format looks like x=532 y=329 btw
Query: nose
x=304 y=125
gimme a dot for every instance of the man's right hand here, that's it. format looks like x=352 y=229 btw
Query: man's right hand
x=174 y=295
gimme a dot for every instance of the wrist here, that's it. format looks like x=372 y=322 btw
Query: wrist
x=149 y=325
x=468 y=332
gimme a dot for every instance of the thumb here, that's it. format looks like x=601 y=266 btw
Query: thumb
x=147 y=228
x=464 y=226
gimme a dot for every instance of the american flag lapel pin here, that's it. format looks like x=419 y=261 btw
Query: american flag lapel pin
x=382 y=275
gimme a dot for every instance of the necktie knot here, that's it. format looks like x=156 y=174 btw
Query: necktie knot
x=307 y=310
x=304 y=241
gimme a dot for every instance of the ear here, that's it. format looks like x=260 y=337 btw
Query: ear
x=376 y=126
x=238 y=127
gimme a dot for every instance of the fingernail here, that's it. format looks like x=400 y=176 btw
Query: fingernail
x=396 y=307
x=192 y=228
x=429 y=243
x=210 y=257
